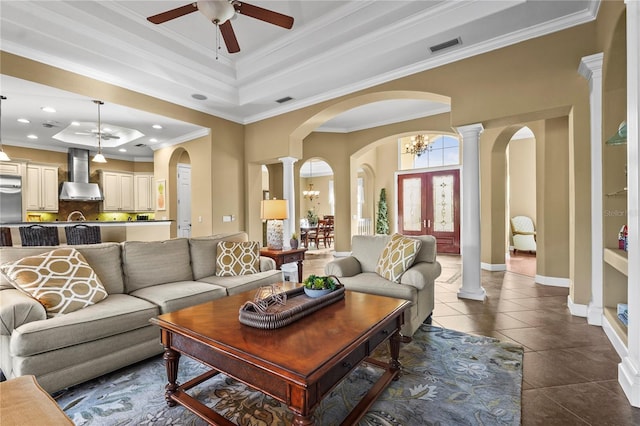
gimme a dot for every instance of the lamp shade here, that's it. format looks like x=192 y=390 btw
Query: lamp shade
x=273 y=209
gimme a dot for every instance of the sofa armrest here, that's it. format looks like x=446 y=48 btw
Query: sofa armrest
x=343 y=267
x=420 y=274
x=16 y=309
x=267 y=264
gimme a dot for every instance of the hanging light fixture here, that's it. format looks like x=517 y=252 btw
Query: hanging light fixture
x=311 y=193
x=3 y=155
x=418 y=146
x=99 y=158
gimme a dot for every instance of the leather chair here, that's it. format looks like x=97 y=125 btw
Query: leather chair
x=5 y=237
x=524 y=234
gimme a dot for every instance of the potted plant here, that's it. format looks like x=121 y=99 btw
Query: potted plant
x=316 y=286
x=294 y=241
x=312 y=217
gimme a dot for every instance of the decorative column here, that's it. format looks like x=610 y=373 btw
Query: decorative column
x=591 y=69
x=470 y=209
x=288 y=193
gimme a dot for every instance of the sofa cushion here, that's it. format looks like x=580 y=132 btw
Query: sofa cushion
x=397 y=256
x=104 y=259
x=116 y=314
x=235 y=258
x=204 y=249
x=372 y=283
x=366 y=249
x=240 y=283
x=60 y=279
x=173 y=296
x=155 y=262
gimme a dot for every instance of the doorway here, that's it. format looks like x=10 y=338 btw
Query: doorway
x=184 y=200
x=429 y=204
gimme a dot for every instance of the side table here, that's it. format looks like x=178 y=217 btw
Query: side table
x=286 y=256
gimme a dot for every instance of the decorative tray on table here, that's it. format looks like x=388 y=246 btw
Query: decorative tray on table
x=281 y=309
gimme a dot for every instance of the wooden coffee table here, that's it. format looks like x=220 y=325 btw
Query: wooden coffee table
x=297 y=364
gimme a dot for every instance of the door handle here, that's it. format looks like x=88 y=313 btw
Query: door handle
x=427 y=223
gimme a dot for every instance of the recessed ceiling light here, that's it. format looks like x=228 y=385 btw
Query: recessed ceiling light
x=157 y=126
x=199 y=97
x=153 y=140
x=23 y=120
x=122 y=150
x=48 y=109
x=75 y=123
x=32 y=136
x=107 y=129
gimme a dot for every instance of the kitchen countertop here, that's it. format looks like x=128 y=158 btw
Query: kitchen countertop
x=91 y=222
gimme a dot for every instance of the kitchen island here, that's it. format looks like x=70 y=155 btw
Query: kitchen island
x=111 y=231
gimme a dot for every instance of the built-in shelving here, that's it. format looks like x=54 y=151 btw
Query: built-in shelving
x=618 y=259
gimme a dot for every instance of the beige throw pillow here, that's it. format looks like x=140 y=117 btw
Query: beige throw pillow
x=61 y=280
x=397 y=256
x=237 y=258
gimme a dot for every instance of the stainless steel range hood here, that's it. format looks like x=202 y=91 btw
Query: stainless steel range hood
x=78 y=187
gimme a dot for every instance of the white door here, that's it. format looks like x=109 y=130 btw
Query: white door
x=184 y=200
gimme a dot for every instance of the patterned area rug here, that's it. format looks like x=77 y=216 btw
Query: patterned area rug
x=448 y=378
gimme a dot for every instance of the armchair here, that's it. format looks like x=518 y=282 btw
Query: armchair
x=524 y=234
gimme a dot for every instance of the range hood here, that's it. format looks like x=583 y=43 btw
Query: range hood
x=78 y=187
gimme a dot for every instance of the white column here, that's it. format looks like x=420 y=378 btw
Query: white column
x=289 y=195
x=629 y=368
x=591 y=69
x=470 y=209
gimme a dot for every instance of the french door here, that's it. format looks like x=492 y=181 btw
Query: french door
x=429 y=204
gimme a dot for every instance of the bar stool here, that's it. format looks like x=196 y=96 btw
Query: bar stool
x=5 y=237
x=38 y=235
x=83 y=234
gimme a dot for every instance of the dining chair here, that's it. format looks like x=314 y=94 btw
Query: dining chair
x=5 y=237
x=83 y=234
x=38 y=235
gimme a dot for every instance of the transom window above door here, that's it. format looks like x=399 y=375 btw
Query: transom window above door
x=442 y=150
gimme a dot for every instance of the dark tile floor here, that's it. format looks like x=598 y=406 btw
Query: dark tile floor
x=570 y=367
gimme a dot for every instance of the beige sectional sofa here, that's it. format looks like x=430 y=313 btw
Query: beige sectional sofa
x=142 y=279
x=358 y=272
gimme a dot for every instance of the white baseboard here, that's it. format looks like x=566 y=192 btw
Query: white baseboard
x=594 y=315
x=576 y=309
x=554 y=282
x=341 y=253
x=629 y=379
x=497 y=267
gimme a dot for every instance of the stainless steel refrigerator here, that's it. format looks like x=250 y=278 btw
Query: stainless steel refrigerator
x=10 y=199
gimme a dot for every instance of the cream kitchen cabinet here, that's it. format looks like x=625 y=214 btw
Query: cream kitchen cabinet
x=117 y=190
x=143 y=192
x=10 y=168
x=41 y=188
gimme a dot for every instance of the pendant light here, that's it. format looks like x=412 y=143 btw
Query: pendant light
x=3 y=155
x=99 y=158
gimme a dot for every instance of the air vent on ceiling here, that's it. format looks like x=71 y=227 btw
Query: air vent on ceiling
x=139 y=145
x=49 y=124
x=445 y=45
x=285 y=99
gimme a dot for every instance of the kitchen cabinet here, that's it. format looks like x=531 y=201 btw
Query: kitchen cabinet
x=117 y=190
x=143 y=192
x=41 y=188
x=10 y=168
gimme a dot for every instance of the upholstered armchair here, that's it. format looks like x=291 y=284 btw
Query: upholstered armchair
x=524 y=234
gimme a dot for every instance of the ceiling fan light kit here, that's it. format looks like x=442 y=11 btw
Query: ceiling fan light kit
x=221 y=12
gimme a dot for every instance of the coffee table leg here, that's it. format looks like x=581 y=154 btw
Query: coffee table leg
x=171 y=360
x=300 y=420
x=394 y=348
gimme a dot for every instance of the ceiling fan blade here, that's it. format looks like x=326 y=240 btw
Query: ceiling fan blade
x=173 y=13
x=229 y=37
x=265 y=15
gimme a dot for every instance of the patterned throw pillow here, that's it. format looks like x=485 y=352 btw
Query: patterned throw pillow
x=237 y=258
x=397 y=256
x=61 y=280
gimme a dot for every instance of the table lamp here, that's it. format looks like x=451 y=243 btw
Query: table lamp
x=274 y=211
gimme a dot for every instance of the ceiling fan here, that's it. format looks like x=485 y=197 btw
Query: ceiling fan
x=104 y=135
x=220 y=13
